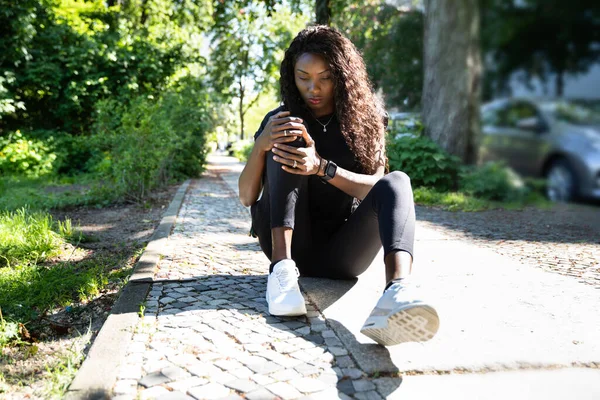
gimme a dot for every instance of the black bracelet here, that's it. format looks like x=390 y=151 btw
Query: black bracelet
x=320 y=166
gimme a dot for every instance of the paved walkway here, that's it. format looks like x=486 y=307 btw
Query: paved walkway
x=509 y=330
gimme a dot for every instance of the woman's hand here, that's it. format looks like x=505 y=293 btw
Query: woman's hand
x=299 y=161
x=281 y=128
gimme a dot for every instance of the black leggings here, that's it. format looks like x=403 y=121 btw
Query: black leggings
x=385 y=216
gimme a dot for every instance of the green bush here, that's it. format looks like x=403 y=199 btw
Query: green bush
x=241 y=149
x=75 y=154
x=59 y=60
x=132 y=149
x=141 y=154
x=425 y=162
x=492 y=181
x=153 y=141
x=439 y=178
x=24 y=156
x=187 y=107
x=100 y=146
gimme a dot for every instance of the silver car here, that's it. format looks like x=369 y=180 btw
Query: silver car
x=554 y=139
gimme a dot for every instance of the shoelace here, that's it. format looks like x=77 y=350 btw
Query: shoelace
x=287 y=278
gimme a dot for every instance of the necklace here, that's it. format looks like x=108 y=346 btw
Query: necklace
x=322 y=124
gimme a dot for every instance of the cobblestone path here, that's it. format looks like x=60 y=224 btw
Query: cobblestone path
x=206 y=333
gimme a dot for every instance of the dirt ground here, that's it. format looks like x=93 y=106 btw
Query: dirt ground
x=119 y=232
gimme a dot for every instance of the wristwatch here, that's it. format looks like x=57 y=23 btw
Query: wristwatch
x=330 y=170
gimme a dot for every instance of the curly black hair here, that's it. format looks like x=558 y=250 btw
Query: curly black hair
x=359 y=111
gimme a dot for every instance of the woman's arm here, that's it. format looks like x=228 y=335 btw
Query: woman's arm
x=250 y=182
x=353 y=184
x=308 y=162
x=359 y=185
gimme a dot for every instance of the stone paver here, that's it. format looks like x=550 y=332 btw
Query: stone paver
x=206 y=333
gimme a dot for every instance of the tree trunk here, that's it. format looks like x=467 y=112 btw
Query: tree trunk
x=560 y=83
x=144 y=16
x=323 y=12
x=122 y=3
x=452 y=75
x=241 y=109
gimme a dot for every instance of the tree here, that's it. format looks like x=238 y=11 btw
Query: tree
x=322 y=12
x=391 y=40
x=247 y=49
x=452 y=75
x=16 y=25
x=541 y=38
x=62 y=57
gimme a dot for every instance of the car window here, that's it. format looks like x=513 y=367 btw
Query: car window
x=512 y=114
x=577 y=114
x=490 y=117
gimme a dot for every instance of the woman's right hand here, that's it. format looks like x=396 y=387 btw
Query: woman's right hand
x=274 y=131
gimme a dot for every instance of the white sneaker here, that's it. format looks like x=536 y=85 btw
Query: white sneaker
x=283 y=292
x=400 y=316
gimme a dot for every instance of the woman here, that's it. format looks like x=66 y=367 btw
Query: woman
x=326 y=207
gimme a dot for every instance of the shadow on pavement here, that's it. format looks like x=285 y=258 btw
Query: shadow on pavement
x=226 y=312
x=563 y=223
x=92 y=394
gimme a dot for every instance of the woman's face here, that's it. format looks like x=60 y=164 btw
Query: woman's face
x=315 y=83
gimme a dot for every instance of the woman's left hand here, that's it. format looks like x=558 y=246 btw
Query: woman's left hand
x=299 y=161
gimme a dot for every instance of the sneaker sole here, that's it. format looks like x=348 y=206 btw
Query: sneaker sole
x=283 y=312
x=414 y=324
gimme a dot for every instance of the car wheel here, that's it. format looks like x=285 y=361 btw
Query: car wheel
x=561 y=182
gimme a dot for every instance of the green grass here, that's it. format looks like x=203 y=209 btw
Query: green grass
x=27 y=292
x=28 y=287
x=52 y=192
x=27 y=237
x=457 y=201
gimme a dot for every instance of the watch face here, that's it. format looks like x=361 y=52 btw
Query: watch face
x=331 y=169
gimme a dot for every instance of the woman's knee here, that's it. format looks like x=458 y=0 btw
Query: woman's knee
x=398 y=177
x=274 y=170
x=270 y=162
x=394 y=182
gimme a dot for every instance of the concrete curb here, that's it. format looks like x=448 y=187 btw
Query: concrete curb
x=98 y=373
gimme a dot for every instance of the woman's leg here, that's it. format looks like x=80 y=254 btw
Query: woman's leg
x=385 y=217
x=275 y=217
x=281 y=212
x=283 y=196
